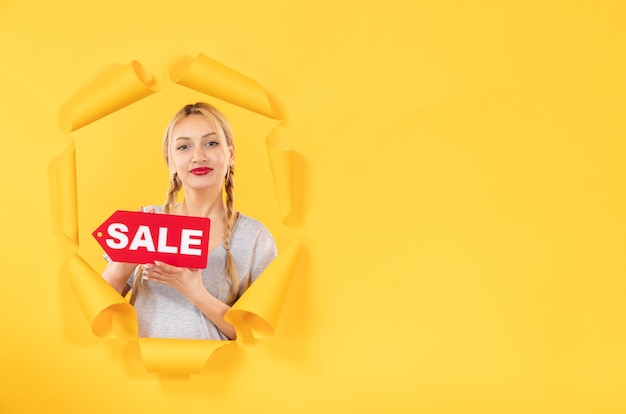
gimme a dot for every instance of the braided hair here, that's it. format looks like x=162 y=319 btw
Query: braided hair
x=222 y=127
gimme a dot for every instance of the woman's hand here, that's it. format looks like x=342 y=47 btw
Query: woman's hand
x=189 y=283
x=186 y=281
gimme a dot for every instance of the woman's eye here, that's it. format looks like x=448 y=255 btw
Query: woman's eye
x=182 y=147
x=211 y=143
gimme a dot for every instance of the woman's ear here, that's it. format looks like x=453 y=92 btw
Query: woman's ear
x=170 y=165
x=231 y=150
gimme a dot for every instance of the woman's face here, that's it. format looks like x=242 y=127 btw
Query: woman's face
x=198 y=154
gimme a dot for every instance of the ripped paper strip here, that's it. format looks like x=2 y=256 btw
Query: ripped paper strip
x=281 y=163
x=175 y=356
x=213 y=78
x=257 y=312
x=108 y=313
x=67 y=209
x=123 y=87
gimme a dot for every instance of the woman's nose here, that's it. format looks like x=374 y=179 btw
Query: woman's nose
x=198 y=154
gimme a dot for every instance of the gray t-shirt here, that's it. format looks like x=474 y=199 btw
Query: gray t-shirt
x=163 y=312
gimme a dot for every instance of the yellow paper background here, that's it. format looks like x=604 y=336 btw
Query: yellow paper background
x=458 y=186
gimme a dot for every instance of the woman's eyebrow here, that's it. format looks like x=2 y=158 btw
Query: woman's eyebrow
x=208 y=134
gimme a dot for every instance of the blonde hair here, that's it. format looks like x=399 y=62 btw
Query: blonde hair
x=222 y=127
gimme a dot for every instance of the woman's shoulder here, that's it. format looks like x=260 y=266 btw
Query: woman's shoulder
x=253 y=237
x=249 y=222
x=249 y=225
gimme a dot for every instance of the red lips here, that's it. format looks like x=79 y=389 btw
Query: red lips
x=201 y=170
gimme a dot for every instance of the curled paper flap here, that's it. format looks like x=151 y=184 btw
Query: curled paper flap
x=209 y=76
x=257 y=312
x=108 y=313
x=281 y=163
x=66 y=204
x=177 y=356
x=125 y=86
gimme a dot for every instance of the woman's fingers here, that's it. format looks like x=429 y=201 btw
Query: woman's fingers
x=160 y=270
x=182 y=279
x=165 y=268
x=151 y=272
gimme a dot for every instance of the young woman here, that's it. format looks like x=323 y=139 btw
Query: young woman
x=175 y=302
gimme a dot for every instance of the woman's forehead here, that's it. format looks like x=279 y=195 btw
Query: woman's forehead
x=194 y=126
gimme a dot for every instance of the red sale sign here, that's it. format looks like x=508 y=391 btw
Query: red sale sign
x=137 y=237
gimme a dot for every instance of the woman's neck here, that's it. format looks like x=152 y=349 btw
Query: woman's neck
x=202 y=205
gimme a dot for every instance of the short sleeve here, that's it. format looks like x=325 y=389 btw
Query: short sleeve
x=259 y=253
x=264 y=253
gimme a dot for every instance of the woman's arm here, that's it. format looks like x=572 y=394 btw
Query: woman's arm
x=214 y=309
x=189 y=283
x=116 y=274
